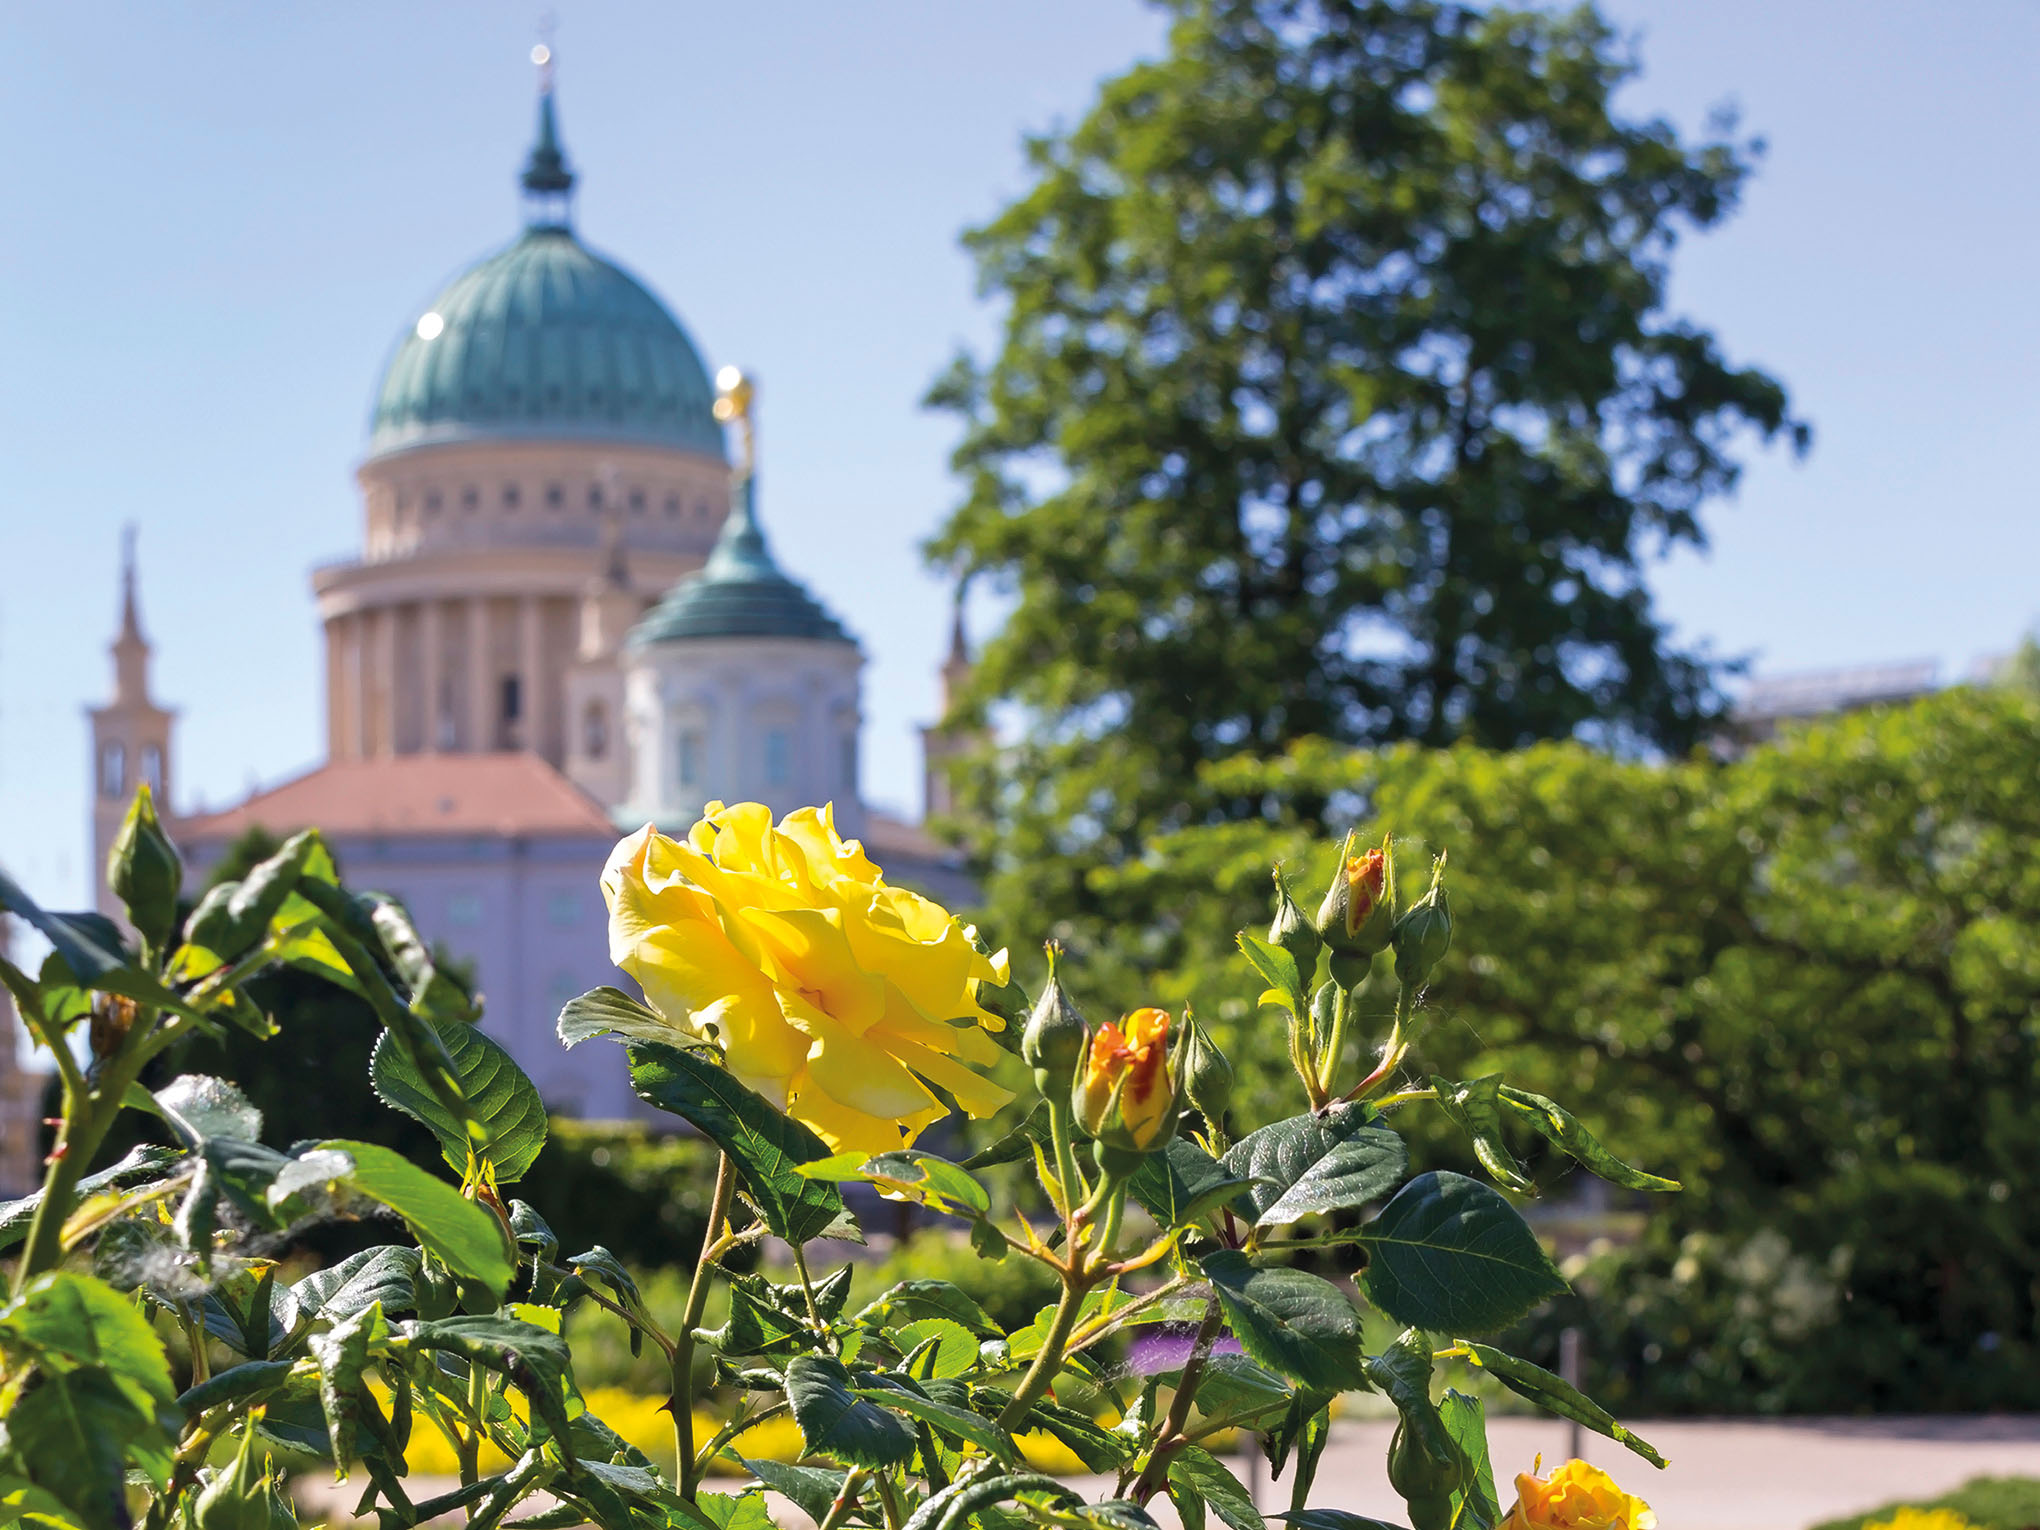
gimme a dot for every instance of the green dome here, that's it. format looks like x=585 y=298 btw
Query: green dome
x=739 y=592
x=546 y=340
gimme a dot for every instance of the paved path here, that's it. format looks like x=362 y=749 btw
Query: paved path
x=1725 y=1475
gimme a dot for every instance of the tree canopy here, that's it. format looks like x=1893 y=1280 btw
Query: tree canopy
x=1339 y=396
x=1805 y=983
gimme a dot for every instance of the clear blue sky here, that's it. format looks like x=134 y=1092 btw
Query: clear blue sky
x=221 y=218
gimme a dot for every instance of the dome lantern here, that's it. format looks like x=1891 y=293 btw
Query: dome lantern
x=547 y=181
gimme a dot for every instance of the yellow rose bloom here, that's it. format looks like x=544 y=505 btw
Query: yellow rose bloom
x=837 y=997
x=1576 y=1497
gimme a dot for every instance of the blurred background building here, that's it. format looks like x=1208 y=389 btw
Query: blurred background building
x=565 y=621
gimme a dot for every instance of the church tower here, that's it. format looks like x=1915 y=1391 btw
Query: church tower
x=944 y=743
x=130 y=735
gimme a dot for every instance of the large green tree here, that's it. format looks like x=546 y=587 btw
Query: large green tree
x=1338 y=396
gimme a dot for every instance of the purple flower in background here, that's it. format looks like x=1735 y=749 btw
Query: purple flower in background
x=1168 y=1349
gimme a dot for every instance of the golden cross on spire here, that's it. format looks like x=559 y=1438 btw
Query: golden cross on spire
x=735 y=402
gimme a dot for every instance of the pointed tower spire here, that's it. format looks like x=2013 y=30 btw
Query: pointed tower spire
x=130 y=648
x=130 y=734
x=956 y=666
x=548 y=182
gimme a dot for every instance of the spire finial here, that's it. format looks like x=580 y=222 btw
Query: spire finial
x=547 y=182
x=736 y=400
x=740 y=551
x=130 y=606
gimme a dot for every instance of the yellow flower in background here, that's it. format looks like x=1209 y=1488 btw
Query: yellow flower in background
x=836 y=996
x=1909 y=1518
x=1576 y=1497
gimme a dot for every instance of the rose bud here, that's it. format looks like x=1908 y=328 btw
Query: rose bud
x=1053 y=1042
x=1125 y=1095
x=1355 y=918
x=1291 y=930
x=1206 y=1075
x=1424 y=933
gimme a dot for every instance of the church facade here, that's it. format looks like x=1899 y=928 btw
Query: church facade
x=566 y=620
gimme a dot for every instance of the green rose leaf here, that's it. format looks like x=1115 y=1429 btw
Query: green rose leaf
x=387 y=1275
x=1475 y=1107
x=199 y=1107
x=811 y=1489
x=1555 y=1395
x=1474 y=1503
x=1182 y=1184
x=1196 y=1473
x=1562 y=1129
x=1016 y=1145
x=76 y=1435
x=965 y=1425
x=612 y=1012
x=534 y=1359
x=1450 y=1253
x=1292 y=1322
x=147 y=1162
x=757 y=1324
x=1311 y=1164
x=767 y=1145
x=465 y=1234
x=1332 y=1519
x=911 y=1175
x=74 y=1322
x=913 y=1300
x=499 y=1095
x=835 y=1421
x=1278 y=970
x=954 y=1351
x=90 y=944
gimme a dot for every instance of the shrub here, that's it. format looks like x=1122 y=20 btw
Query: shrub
x=904 y=1392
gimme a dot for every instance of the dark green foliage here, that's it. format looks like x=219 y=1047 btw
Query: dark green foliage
x=1338 y=396
x=642 y=1193
x=1803 y=984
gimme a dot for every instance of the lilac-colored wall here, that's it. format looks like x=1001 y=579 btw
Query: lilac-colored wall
x=528 y=913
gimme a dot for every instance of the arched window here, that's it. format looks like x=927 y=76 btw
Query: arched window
x=595 y=731
x=778 y=757
x=113 y=770
x=152 y=769
x=688 y=756
x=849 y=763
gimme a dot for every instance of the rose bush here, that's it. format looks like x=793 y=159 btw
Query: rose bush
x=809 y=1019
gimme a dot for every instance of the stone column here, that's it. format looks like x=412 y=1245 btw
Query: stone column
x=386 y=673
x=358 y=634
x=528 y=651
x=428 y=673
x=481 y=703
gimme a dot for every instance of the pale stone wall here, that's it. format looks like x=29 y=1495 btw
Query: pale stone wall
x=772 y=720
x=457 y=629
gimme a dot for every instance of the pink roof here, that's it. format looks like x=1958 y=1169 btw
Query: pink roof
x=507 y=794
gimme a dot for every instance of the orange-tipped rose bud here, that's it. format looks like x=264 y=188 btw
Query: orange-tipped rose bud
x=1125 y=1095
x=1356 y=916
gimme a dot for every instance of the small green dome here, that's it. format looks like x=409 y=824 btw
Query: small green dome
x=739 y=592
x=546 y=340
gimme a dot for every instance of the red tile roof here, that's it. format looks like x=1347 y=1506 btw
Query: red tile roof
x=507 y=794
